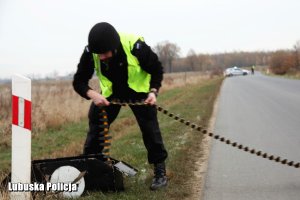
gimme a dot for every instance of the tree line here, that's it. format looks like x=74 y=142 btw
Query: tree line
x=279 y=62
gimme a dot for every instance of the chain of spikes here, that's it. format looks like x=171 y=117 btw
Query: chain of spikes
x=204 y=131
x=104 y=137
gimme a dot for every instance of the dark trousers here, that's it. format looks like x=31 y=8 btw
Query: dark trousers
x=146 y=117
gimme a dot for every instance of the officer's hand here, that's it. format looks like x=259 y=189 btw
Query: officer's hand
x=97 y=98
x=151 y=99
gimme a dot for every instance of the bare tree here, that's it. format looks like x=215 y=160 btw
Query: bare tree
x=192 y=59
x=297 y=54
x=167 y=52
x=281 y=61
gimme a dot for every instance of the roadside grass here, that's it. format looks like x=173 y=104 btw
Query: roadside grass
x=295 y=76
x=292 y=74
x=287 y=76
x=192 y=101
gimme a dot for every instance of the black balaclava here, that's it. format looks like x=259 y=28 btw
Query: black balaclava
x=103 y=37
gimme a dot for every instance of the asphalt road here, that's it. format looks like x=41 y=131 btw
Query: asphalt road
x=263 y=113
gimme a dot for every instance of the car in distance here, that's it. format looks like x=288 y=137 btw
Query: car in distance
x=235 y=71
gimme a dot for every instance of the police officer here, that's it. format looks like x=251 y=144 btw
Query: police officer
x=128 y=70
x=252 y=69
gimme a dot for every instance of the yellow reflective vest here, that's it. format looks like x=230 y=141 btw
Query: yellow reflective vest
x=138 y=79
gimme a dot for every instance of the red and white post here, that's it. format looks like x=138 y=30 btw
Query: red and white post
x=21 y=134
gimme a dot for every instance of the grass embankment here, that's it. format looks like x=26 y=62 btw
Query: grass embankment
x=291 y=74
x=192 y=102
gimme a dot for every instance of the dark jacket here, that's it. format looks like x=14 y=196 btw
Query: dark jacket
x=116 y=70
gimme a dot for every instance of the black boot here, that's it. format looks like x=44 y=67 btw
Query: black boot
x=160 y=178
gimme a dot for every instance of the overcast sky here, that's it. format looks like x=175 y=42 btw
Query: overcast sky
x=39 y=37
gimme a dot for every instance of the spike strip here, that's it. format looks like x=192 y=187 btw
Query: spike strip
x=104 y=135
x=217 y=137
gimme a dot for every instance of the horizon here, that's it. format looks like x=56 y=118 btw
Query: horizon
x=52 y=75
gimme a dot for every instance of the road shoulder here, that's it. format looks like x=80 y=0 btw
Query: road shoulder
x=198 y=181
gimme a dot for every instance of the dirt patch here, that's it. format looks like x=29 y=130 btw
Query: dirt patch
x=198 y=180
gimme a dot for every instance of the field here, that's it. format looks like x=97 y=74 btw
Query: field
x=59 y=129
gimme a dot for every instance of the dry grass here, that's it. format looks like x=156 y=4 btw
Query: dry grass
x=183 y=78
x=54 y=103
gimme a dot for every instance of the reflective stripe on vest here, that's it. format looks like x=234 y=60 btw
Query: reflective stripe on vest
x=138 y=79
